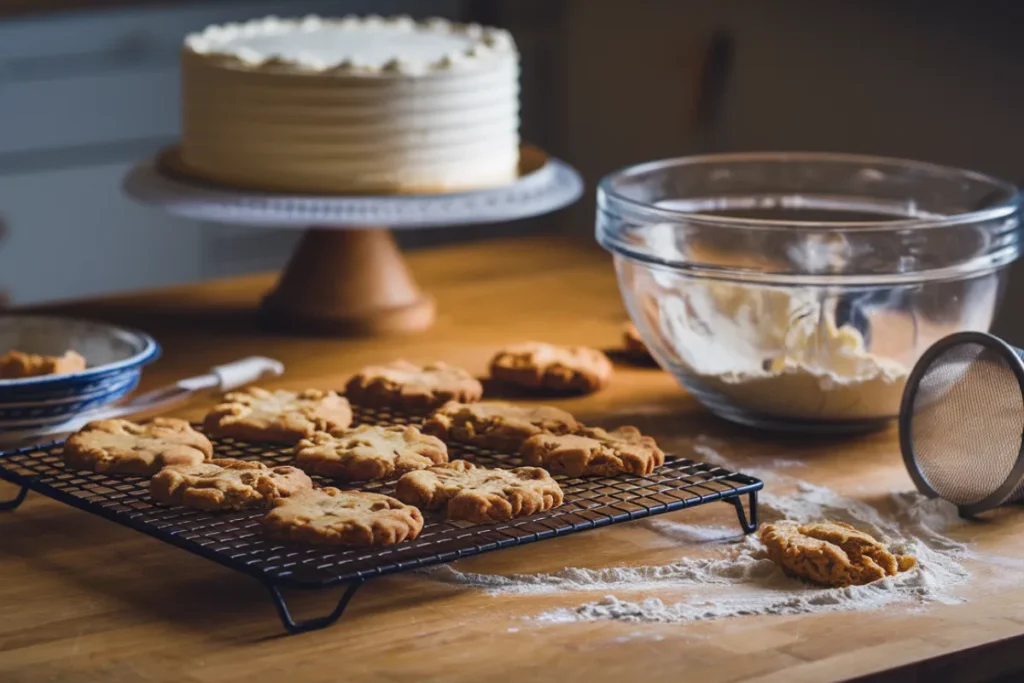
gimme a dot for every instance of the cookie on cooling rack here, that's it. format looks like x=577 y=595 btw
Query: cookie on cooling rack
x=412 y=388
x=329 y=516
x=279 y=416
x=123 y=447
x=480 y=494
x=226 y=484
x=496 y=425
x=556 y=369
x=594 y=452
x=369 y=452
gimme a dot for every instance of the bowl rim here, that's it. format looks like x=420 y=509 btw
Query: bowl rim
x=1009 y=203
x=151 y=350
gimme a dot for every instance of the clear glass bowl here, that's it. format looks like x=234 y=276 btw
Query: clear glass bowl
x=796 y=291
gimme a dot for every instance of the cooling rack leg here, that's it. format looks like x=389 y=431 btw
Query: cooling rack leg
x=16 y=501
x=295 y=627
x=749 y=524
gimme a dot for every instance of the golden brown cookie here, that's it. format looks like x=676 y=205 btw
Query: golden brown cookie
x=557 y=369
x=123 y=447
x=634 y=345
x=15 y=364
x=831 y=553
x=480 y=494
x=495 y=425
x=278 y=416
x=412 y=388
x=328 y=516
x=226 y=484
x=369 y=452
x=594 y=452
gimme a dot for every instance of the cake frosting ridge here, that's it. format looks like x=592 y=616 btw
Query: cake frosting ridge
x=351 y=105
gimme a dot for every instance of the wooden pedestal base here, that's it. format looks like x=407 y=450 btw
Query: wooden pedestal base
x=351 y=282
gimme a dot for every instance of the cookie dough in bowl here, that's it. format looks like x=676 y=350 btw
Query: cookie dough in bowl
x=795 y=291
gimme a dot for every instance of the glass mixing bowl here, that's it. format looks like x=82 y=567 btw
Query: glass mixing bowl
x=796 y=291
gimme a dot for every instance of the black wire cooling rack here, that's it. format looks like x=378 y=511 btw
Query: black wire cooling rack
x=234 y=539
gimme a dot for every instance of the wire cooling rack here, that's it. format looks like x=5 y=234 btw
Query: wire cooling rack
x=234 y=539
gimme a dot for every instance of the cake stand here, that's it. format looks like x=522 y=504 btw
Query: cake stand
x=347 y=275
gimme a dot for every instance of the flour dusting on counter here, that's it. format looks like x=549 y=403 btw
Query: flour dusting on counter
x=737 y=578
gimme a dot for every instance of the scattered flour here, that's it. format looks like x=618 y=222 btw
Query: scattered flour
x=737 y=578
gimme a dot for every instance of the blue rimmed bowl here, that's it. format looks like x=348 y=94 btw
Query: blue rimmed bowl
x=114 y=356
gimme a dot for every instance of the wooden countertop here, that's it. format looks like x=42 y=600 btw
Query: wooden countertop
x=82 y=599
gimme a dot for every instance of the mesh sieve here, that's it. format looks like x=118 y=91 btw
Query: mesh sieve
x=962 y=421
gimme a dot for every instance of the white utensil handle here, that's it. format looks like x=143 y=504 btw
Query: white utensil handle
x=246 y=371
x=222 y=377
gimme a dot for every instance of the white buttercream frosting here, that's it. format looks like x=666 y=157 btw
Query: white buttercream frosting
x=365 y=105
x=354 y=45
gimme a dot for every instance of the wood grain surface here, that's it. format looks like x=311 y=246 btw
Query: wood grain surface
x=82 y=599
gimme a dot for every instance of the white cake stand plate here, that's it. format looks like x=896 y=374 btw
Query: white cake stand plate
x=347 y=275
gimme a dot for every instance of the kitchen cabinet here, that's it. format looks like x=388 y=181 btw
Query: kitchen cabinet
x=930 y=80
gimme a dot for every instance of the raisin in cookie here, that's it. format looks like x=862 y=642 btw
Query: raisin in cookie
x=279 y=416
x=831 y=553
x=594 y=452
x=15 y=364
x=480 y=494
x=495 y=425
x=226 y=484
x=412 y=388
x=557 y=369
x=329 y=516
x=369 y=452
x=123 y=447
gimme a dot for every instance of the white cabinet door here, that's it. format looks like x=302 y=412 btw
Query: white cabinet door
x=72 y=234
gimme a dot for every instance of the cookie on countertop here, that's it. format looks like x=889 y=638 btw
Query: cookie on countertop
x=831 y=553
x=412 y=388
x=123 y=447
x=369 y=452
x=328 y=516
x=278 y=416
x=634 y=345
x=557 y=369
x=16 y=364
x=496 y=425
x=226 y=484
x=594 y=452
x=480 y=494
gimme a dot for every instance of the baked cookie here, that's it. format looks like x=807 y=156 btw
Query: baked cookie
x=278 y=416
x=226 y=484
x=831 y=553
x=15 y=364
x=495 y=425
x=634 y=346
x=480 y=494
x=123 y=447
x=557 y=369
x=369 y=452
x=412 y=388
x=328 y=516
x=594 y=452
